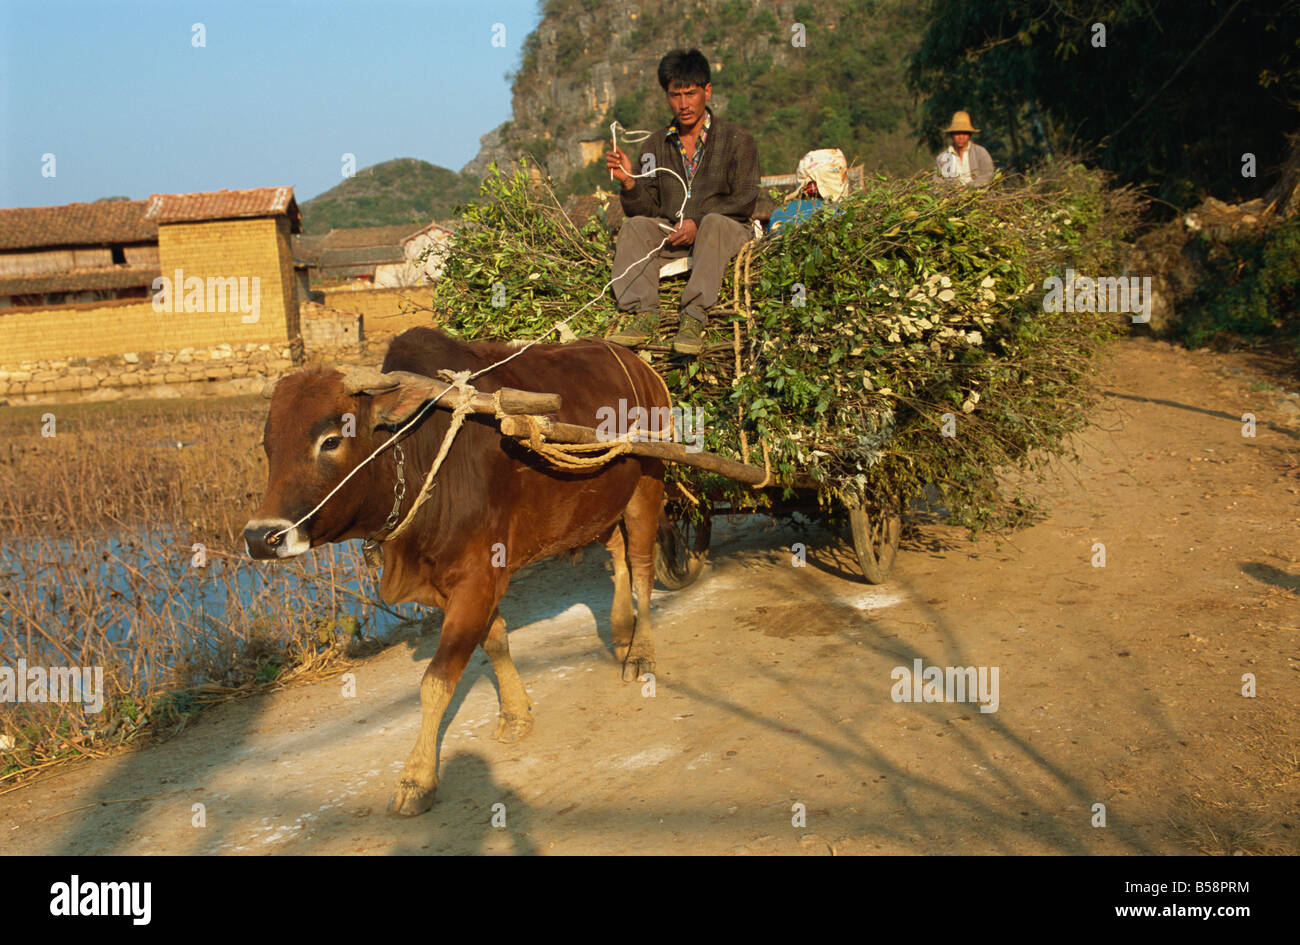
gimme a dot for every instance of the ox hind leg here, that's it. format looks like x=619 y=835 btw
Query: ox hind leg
x=622 y=618
x=465 y=624
x=641 y=519
x=516 y=716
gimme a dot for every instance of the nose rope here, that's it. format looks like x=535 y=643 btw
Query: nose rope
x=463 y=378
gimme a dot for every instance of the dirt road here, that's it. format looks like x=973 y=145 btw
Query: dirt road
x=772 y=728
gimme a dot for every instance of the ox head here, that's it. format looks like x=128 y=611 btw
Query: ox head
x=321 y=426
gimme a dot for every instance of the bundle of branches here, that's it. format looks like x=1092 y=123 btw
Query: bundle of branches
x=893 y=340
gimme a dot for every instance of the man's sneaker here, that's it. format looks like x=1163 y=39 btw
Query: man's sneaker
x=639 y=331
x=690 y=336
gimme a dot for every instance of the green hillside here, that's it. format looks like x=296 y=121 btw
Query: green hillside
x=403 y=190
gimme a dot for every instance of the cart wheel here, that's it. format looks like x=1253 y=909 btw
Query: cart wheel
x=876 y=533
x=682 y=546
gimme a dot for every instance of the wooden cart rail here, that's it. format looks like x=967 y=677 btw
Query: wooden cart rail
x=683 y=538
x=556 y=432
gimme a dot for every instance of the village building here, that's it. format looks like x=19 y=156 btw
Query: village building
x=203 y=290
x=83 y=280
x=80 y=252
x=380 y=256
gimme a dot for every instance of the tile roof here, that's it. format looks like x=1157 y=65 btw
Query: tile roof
x=80 y=280
x=306 y=249
x=356 y=245
x=225 y=205
x=362 y=256
x=76 y=224
x=435 y=229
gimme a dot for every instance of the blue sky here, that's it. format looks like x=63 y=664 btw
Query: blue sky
x=127 y=105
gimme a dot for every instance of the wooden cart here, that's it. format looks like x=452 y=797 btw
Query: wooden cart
x=684 y=535
x=684 y=529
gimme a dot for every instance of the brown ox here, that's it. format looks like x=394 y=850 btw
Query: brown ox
x=490 y=492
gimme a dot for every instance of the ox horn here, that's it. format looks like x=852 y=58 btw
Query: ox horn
x=268 y=389
x=366 y=380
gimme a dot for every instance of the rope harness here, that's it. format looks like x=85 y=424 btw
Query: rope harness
x=741 y=277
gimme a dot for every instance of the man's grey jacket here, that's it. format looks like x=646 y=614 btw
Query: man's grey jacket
x=726 y=181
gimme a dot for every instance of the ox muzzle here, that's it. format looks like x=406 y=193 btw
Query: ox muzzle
x=268 y=538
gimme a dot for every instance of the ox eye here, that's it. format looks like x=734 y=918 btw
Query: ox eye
x=331 y=443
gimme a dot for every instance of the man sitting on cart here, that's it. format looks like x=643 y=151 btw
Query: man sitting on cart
x=718 y=161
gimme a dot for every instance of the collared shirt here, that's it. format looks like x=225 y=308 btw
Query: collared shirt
x=957 y=166
x=691 y=163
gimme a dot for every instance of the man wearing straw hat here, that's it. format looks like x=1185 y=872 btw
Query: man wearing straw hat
x=962 y=162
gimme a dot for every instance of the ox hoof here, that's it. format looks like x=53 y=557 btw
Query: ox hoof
x=511 y=728
x=411 y=798
x=637 y=666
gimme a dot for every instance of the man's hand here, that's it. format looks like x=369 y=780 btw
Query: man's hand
x=620 y=165
x=684 y=235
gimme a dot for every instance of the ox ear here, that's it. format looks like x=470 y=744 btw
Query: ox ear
x=395 y=407
x=394 y=396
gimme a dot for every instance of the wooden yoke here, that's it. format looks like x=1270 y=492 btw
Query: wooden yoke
x=510 y=400
x=520 y=429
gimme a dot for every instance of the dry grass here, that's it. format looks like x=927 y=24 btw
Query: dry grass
x=1240 y=818
x=101 y=568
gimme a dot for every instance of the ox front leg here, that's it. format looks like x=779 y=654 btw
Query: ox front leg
x=516 y=709
x=462 y=629
x=622 y=619
x=642 y=522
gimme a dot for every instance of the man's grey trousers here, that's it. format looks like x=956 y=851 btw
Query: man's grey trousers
x=717 y=241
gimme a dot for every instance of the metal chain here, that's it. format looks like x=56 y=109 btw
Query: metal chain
x=399 y=488
x=370 y=547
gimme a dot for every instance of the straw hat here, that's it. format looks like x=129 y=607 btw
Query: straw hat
x=960 y=122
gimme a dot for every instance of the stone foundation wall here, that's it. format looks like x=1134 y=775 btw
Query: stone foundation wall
x=223 y=369
x=328 y=336
x=326 y=329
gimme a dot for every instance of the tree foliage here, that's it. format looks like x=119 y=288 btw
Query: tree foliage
x=1179 y=91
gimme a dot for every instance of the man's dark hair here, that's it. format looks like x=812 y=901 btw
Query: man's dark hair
x=684 y=67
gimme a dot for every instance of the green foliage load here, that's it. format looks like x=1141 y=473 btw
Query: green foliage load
x=905 y=309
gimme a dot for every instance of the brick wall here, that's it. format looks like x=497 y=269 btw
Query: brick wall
x=326 y=330
x=382 y=308
x=225 y=249
x=88 y=330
